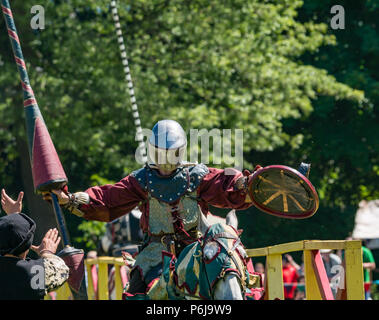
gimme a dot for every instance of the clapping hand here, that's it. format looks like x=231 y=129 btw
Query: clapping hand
x=49 y=243
x=9 y=205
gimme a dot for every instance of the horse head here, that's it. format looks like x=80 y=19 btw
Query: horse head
x=215 y=266
x=222 y=247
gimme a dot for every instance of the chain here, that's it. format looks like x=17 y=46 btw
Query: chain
x=128 y=78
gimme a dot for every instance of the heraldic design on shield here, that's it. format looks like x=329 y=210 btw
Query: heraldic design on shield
x=284 y=192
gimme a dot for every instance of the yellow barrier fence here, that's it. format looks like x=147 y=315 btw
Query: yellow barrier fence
x=274 y=287
x=64 y=292
x=102 y=263
x=354 y=289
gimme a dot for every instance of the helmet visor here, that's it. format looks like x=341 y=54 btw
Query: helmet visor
x=167 y=159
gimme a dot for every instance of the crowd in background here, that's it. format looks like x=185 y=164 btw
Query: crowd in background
x=294 y=277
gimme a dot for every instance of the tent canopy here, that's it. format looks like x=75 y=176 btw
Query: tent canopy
x=367 y=220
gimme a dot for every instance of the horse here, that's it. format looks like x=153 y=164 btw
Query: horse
x=218 y=262
x=212 y=268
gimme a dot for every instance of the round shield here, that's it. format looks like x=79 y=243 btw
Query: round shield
x=283 y=191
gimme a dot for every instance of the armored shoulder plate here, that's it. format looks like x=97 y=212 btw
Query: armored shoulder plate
x=170 y=188
x=140 y=175
x=197 y=174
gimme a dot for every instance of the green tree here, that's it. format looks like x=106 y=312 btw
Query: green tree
x=340 y=136
x=346 y=133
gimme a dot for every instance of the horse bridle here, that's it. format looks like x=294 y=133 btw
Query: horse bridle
x=230 y=255
x=240 y=274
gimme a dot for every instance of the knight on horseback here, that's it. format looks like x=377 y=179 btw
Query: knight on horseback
x=171 y=195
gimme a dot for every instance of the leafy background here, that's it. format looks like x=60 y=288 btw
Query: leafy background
x=300 y=90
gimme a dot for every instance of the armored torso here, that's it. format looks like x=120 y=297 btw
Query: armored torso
x=168 y=195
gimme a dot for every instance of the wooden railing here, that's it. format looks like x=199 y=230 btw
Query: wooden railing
x=102 y=263
x=101 y=292
x=316 y=282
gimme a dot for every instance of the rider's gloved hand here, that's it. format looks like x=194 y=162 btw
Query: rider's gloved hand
x=70 y=201
x=244 y=181
x=62 y=195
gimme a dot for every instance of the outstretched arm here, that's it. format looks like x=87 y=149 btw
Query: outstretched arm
x=104 y=203
x=110 y=202
x=293 y=263
x=225 y=189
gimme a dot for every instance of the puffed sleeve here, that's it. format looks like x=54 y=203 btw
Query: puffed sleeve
x=56 y=272
x=108 y=202
x=218 y=188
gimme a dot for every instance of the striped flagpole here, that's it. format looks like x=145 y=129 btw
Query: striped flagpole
x=46 y=167
x=29 y=99
x=128 y=78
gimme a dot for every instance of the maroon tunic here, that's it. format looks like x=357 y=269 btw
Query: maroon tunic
x=109 y=202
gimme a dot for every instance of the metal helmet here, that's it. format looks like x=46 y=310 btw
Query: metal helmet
x=167 y=145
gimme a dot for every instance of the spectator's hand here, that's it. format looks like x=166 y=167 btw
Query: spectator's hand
x=289 y=258
x=49 y=243
x=9 y=205
x=61 y=194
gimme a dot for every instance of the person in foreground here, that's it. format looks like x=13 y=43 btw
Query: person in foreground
x=22 y=278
